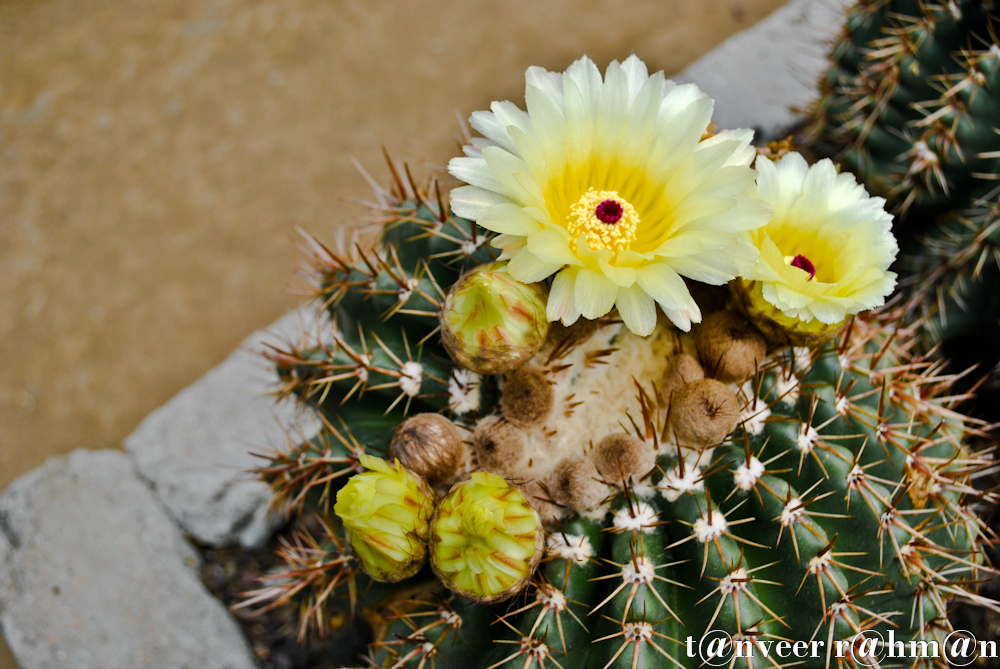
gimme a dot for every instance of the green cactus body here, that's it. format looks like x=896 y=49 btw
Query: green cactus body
x=835 y=509
x=383 y=305
x=826 y=494
x=374 y=360
x=911 y=101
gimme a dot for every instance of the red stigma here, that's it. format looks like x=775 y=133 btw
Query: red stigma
x=805 y=265
x=610 y=212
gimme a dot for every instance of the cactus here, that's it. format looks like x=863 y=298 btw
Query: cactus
x=911 y=104
x=840 y=503
x=911 y=101
x=832 y=496
x=626 y=496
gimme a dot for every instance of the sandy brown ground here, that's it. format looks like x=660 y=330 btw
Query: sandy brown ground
x=154 y=158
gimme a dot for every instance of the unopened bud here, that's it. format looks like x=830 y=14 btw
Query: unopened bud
x=486 y=539
x=386 y=514
x=430 y=445
x=492 y=323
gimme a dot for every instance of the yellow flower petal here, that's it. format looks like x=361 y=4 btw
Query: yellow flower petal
x=593 y=294
x=561 y=305
x=505 y=166
x=470 y=201
x=526 y=267
x=552 y=245
x=782 y=294
x=509 y=245
x=509 y=219
x=637 y=310
x=665 y=286
x=622 y=277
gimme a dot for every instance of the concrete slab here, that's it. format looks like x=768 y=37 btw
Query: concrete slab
x=195 y=450
x=94 y=574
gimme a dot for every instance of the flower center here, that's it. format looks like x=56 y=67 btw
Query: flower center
x=803 y=264
x=609 y=211
x=607 y=220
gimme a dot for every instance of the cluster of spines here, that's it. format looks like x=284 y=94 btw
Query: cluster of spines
x=318 y=564
x=377 y=350
x=948 y=274
x=848 y=508
x=911 y=100
x=372 y=360
x=308 y=472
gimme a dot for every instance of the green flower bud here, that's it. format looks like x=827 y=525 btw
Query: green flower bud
x=486 y=539
x=386 y=513
x=492 y=323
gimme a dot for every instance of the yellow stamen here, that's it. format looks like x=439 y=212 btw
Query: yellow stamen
x=617 y=236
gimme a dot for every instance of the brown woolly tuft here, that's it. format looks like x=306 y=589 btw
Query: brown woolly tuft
x=498 y=445
x=576 y=483
x=703 y=413
x=527 y=398
x=681 y=370
x=620 y=455
x=730 y=347
x=430 y=445
x=777 y=149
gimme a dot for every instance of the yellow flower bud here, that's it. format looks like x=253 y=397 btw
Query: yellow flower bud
x=486 y=539
x=386 y=514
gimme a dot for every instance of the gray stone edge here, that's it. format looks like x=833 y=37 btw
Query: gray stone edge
x=759 y=75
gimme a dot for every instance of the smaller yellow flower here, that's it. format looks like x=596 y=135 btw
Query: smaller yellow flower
x=826 y=252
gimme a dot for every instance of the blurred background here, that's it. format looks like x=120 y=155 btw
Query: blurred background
x=154 y=158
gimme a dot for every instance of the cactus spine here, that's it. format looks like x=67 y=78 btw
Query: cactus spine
x=911 y=101
x=834 y=509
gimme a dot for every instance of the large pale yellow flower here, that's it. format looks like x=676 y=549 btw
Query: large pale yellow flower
x=826 y=252
x=608 y=184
